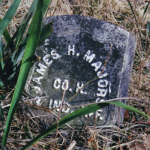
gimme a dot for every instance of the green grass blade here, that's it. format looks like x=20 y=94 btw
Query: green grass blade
x=146 y=8
x=25 y=66
x=9 y=15
x=1 y=114
x=7 y=37
x=1 y=56
x=32 y=9
x=27 y=18
x=25 y=22
x=1 y=86
x=6 y=20
x=132 y=11
x=148 y=29
x=30 y=14
x=127 y=107
x=45 y=5
x=45 y=32
x=20 y=43
x=21 y=31
x=78 y=113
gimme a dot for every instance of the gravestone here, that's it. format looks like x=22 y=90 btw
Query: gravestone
x=83 y=61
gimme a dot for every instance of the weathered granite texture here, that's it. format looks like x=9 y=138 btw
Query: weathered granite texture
x=79 y=50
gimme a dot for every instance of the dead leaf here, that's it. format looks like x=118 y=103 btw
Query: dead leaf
x=130 y=138
x=126 y=116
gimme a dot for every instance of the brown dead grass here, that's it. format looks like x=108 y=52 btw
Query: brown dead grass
x=133 y=135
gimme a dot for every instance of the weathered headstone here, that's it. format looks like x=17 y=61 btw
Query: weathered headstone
x=86 y=56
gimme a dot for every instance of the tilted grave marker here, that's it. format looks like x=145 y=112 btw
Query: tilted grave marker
x=79 y=50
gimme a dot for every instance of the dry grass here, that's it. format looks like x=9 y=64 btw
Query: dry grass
x=135 y=131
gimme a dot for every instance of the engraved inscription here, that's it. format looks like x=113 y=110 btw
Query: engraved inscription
x=64 y=85
x=89 y=57
x=60 y=83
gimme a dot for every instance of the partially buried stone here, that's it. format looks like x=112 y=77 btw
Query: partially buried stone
x=83 y=61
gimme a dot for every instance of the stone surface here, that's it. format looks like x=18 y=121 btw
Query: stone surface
x=79 y=50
